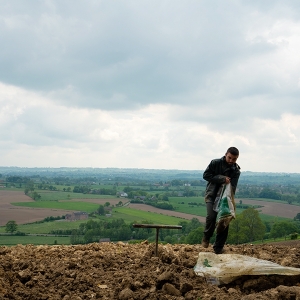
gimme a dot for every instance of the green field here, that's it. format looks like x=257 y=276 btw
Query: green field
x=180 y=204
x=139 y=216
x=46 y=227
x=54 y=196
x=34 y=240
x=272 y=219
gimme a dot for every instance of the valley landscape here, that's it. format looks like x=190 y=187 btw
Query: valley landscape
x=120 y=270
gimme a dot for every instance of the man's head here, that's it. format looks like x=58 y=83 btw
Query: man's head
x=232 y=155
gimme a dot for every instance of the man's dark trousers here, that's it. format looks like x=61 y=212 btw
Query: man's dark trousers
x=210 y=228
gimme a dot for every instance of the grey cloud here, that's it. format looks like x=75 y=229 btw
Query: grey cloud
x=123 y=55
x=51 y=47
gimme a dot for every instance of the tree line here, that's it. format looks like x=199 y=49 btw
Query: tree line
x=290 y=194
x=118 y=230
x=247 y=227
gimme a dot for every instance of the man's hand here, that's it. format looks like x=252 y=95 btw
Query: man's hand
x=227 y=180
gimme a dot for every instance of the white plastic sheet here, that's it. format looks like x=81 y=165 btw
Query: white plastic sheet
x=225 y=268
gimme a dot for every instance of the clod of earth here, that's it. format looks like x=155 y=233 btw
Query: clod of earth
x=124 y=271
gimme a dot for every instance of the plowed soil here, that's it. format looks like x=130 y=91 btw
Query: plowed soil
x=123 y=271
x=274 y=208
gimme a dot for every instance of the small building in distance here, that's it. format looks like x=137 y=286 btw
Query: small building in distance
x=78 y=215
x=122 y=194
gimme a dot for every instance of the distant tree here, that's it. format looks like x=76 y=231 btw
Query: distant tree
x=193 y=224
x=268 y=226
x=127 y=189
x=196 y=183
x=236 y=233
x=297 y=218
x=101 y=210
x=76 y=237
x=176 y=182
x=195 y=236
x=168 y=239
x=17 y=179
x=163 y=197
x=269 y=194
x=107 y=204
x=252 y=225
x=289 y=198
x=184 y=225
x=11 y=226
x=282 y=229
x=30 y=186
x=36 y=196
x=89 y=236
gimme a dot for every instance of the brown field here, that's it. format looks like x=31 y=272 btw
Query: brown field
x=274 y=208
x=23 y=215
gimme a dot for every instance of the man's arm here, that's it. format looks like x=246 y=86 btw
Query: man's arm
x=234 y=181
x=211 y=174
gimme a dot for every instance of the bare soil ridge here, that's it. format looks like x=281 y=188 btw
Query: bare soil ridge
x=123 y=271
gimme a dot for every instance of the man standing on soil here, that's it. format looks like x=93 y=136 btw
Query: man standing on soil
x=220 y=171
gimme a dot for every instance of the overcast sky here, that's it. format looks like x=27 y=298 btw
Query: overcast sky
x=150 y=84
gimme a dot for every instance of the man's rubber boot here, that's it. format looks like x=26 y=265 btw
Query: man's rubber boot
x=205 y=242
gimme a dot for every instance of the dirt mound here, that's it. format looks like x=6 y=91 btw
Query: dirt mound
x=122 y=271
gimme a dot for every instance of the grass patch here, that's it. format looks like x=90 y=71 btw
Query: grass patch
x=46 y=227
x=266 y=200
x=181 y=204
x=139 y=216
x=54 y=196
x=272 y=219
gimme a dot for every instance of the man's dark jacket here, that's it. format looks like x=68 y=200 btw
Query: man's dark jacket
x=215 y=174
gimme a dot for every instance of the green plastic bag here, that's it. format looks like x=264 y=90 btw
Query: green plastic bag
x=225 y=207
